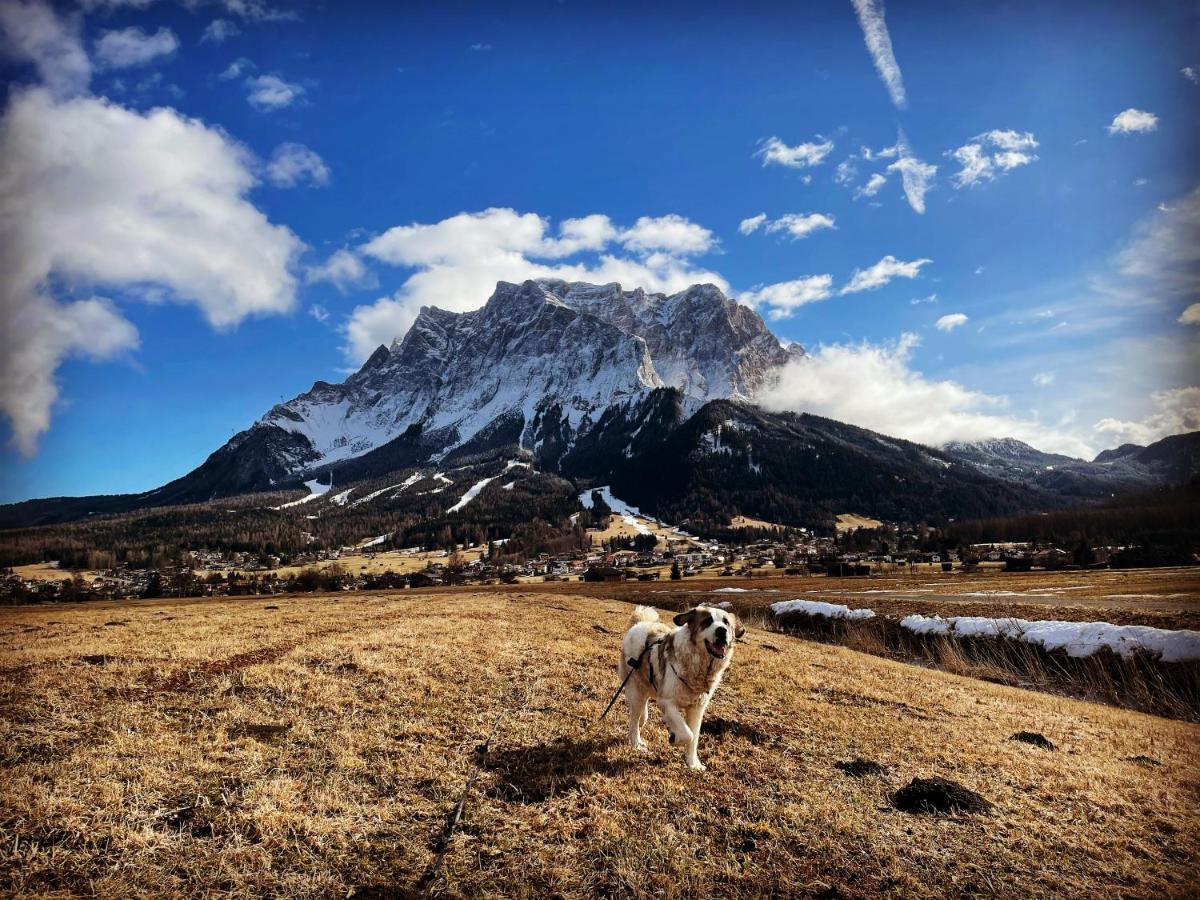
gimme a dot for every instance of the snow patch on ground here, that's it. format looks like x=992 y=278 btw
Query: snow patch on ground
x=376 y=541
x=507 y=487
x=817 y=608
x=340 y=499
x=1079 y=639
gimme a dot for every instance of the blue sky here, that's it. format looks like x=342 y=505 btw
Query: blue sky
x=1055 y=243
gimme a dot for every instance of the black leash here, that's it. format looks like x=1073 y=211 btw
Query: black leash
x=634 y=665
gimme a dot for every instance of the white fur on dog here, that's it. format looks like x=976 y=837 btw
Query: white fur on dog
x=680 y=672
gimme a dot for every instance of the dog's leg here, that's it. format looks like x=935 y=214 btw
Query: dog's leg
x=681 y=733
x=695 y=717
x=637 y=715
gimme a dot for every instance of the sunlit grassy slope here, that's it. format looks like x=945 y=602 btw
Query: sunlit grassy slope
x=317 y=746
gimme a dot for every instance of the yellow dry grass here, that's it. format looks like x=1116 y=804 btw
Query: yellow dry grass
x=748 y=522
x=48 y=572
x=849 y=522
x=315 y=746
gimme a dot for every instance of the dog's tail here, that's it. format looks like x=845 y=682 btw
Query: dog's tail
x=643 y=614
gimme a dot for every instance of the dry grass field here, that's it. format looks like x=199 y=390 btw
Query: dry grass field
x=317 y=746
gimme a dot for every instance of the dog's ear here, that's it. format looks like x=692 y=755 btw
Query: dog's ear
x=685 y=618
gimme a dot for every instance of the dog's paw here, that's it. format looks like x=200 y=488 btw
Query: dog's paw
x=641 y=746
x=696 y=766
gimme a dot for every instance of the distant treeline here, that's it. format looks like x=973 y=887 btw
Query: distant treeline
x=534 y=516
x=1156 y=525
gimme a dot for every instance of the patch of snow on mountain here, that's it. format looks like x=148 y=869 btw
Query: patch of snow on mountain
x=340 y=499
x=630 y=515
x=316 y=489
x=472 y=493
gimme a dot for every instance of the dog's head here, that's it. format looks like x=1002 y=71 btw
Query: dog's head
x=716 y=629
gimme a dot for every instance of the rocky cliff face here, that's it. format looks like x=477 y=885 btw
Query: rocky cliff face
x=540 y=365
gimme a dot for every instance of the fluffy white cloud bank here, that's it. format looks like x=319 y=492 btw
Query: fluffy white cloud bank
x=32 y=33
x=991 y=154
x=875 y=386
x=458 y=261
x=1176 y=411
x=131 y=46
x=775 y=152
x=99 y=197
x=1133 y=121
x=879 y=45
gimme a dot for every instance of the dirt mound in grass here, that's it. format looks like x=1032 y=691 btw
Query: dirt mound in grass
x=1033 y=737
x=938 y=796
x=860 y=768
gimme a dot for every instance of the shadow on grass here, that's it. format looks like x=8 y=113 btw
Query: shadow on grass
x=535 y=774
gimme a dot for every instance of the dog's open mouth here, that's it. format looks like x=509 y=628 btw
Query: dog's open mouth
x=717 y=650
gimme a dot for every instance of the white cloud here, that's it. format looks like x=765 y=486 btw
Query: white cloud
x=950 y=321
x=991 y=153
x=458 y=261
x=917 y=301
x=879 y=45
x=293 y=164
x=1043 y=379
x=344 y=270
x=478 y=47
x=133 y=47
x=258 y=11
x=270 y=92
x=846 y=171
x=881 y=273
x=1164 y=253
x=750 y=225
x=31 y=32
x=96 y=195
x=875 y=386
x=671 y=233
x=872 y=187
x=783 y=298
x=318 y=312
x=1178 y=411
x=1191 y=73
x=776 y=152
x=236 y=69
x=1191 y=315
x=219 y=31
x=1132 y=121
x=800 y=225
x=916 y=175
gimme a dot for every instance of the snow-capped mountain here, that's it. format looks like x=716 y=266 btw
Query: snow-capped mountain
x=537 y=368
x=1172 y=459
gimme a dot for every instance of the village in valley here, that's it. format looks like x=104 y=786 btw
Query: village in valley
x=629 y=547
